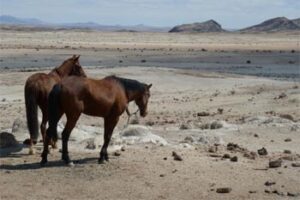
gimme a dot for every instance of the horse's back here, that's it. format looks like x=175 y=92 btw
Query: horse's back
x=90 y=96
x=40 y=84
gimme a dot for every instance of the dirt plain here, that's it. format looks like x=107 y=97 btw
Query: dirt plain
x=193 y=88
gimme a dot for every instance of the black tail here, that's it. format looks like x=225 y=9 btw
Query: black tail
x=31 y=113
x=53 y=112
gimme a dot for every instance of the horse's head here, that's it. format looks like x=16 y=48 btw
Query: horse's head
x=142 y=100
x=71 y=67
x=76 y=68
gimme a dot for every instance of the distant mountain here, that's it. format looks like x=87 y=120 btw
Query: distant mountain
x=296 y=21
x=207 y=26
x=8 y=21
x=274 y=25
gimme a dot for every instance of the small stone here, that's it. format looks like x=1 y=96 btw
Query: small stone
x=162 y=175
x=203 y=114
x=212 y=149
x=252 y=191
x=117 y=153
x=223 y=190
x=287 y=151
x=275 y=163
x=165 y=158
x=267 y=191
x=263 y=151
x=226 y=156
x=220 y=110
x=255 y=135
x=122 y=148
x=292 y=194
x=288 y=140
x=296 y=164
x=234 y=159
x=269 y=183
x=176 y=156
x=184 y=127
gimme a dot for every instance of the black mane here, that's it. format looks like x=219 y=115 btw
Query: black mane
x=129 y=84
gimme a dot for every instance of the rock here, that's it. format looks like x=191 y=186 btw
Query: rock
x=252 y=191
x=90 y=144
x=184 y=127
x=122 y=148
x=275 y=163
x=255 y=135
x=7 y=140
x=248 y=61
x=202 y=114
x=296 y=164
x=117 y=153
x=262 y=152
x=287 y=151
x=287 y=116
x=212 y=149
x=281 y=96
x=18 y=125
x=234 y=159
x=162 y=175
x=216 y=125
x=269 y=183
x=293 y=194
x=223 y=190
x=288 y=140
x=226 y=156
x=189 y=139
x=220 y=110
x=267 y=191
x=250 y=155
x=176 y=156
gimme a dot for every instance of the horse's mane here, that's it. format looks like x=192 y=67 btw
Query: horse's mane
x=129 y=84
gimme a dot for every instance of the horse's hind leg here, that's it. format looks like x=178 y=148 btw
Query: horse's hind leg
x=44 y=122
x=109 y=125
x=71 y=122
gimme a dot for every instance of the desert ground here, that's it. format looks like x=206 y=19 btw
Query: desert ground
x=204 y=106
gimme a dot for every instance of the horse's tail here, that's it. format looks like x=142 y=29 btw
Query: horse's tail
x=32 y=112
x=53 y=112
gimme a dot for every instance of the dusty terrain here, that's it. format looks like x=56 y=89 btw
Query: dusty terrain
x=195 y=113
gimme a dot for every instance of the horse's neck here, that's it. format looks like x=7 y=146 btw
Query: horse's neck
x=132 y=95
x=62 y=70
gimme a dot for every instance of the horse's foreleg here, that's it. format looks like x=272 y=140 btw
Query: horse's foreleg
x=45 y=150
x=109 y=125
x=71 y=122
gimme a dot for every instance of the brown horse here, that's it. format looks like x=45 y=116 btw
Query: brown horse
x=107 y=98
x=37 y=89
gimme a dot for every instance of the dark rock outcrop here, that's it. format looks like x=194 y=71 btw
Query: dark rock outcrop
x=273 y=25
x=204 y=27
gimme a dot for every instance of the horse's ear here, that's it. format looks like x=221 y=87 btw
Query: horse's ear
x=76 y=58
x=149 y=86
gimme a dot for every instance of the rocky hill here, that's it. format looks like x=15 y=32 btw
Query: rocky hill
x=297 y=21
x=208 y=26
x=274 y=25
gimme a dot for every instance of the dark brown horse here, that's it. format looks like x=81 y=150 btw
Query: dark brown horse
x=37 y=89
x=107 y=98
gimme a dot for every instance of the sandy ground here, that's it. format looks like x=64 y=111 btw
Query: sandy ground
x=253 y=116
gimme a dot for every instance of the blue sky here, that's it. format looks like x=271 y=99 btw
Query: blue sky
x=229 y=13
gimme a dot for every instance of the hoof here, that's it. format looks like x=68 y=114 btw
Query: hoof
x=54 y=145
x=101 y=161
x=31 y=151
x=43 y=163
x=71 y=164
